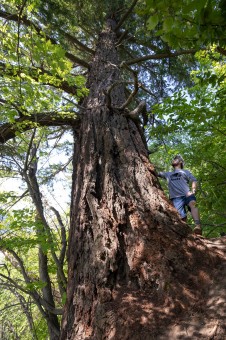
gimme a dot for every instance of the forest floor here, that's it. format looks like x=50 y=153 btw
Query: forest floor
x=192 y=303
x=208 y=322
x=206 y=319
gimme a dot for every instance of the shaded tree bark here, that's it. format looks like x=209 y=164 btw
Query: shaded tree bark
x=121 y=222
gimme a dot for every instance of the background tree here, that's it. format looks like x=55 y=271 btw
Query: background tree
x=126 y=241
x=33 y=239
x=201 y=133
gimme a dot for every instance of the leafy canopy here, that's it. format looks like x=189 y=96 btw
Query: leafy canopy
x=187 y=23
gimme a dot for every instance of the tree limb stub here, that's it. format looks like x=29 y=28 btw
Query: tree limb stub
x=134 y=114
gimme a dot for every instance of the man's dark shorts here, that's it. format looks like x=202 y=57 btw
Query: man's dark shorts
x=180 y=203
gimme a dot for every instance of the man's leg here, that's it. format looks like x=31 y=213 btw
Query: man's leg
x=179 y=204
x=195 y=215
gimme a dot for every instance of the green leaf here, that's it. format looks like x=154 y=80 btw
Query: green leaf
x=168 y=24
x=152 y=22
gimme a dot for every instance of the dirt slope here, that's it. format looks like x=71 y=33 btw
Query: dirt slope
x=207 y=318
x=190 y=305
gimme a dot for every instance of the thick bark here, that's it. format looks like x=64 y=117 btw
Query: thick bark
x=133 y=264
x=121 y=220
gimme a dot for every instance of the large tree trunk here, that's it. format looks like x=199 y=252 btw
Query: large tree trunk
x=126 y=243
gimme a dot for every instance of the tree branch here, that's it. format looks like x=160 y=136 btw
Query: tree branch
x=23 y=19
x=10 y=306
x=135 y=113
x=136 y=87
x=14 y=283
x=221 y=50
x=63 y=249
x=63 y=235
x=40 y=302
x=8 y=130
x=110 y=88
x=121 y=38
x=125 y=16
x=80 y=45
x=160 y=56
x=20 y=264
x=132 y=39
x=147 y=91
x=34 y=73
x=33 y=186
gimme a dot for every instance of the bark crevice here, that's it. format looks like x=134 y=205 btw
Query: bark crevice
x=119 y=223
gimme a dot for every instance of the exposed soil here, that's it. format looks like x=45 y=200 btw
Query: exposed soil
x=207 y=319
x=198 y=311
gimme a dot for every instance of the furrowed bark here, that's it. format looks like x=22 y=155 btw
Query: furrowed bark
x=118 y=213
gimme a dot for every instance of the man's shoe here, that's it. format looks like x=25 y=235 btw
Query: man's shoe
x=197 y=230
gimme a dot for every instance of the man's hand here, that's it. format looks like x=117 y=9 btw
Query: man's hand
x=192 y=192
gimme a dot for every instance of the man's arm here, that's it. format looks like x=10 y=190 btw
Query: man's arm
x=161 y=174
x=194 y=185
x=193 y=181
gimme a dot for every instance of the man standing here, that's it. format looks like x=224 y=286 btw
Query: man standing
x=180 y=194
